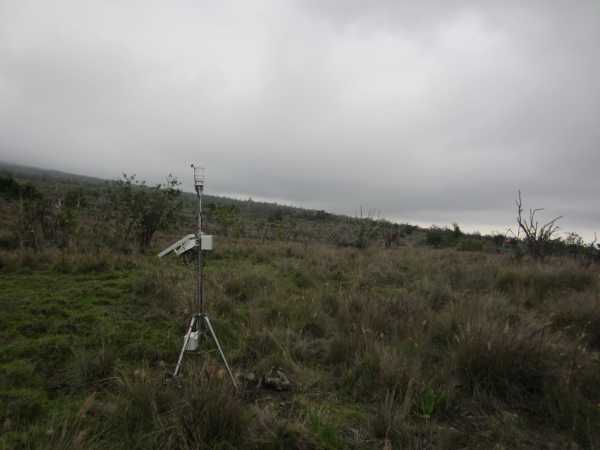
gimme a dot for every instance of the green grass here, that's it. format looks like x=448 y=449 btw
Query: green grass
x=415 y=347
x=63 y=335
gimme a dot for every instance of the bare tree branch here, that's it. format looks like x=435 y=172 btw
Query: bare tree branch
x=537 y=238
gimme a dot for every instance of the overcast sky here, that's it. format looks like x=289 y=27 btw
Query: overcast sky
x=427 y=111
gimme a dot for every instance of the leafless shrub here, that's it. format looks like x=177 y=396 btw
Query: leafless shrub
x=537 y=238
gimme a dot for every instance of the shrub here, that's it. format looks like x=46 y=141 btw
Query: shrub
x=444 y=237
x=133 y=210
x=435 y=237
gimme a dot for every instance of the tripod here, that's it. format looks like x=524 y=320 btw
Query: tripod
x=200 y=323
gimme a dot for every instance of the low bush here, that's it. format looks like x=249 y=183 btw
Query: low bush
x=436 y=237
x=445 y=237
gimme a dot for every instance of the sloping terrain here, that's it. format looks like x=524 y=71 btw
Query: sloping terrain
x=342 y=332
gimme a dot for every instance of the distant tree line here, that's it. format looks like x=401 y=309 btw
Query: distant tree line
x=124 y=214
x=127 y=214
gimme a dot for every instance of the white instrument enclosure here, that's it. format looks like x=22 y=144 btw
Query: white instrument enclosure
x=207 y=242
x=194 y=342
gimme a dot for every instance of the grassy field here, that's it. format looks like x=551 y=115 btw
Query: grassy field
x=402 y=348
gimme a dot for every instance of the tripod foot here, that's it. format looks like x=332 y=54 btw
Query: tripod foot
x=216 y=340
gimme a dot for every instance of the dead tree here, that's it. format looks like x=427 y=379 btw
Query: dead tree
x=537 y=238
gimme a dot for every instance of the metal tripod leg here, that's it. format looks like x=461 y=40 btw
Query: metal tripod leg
x=214 y=336
x=185 y=344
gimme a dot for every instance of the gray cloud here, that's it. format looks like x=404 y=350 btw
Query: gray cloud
x=430 y=112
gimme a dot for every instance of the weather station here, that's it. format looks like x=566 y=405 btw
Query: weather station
x=200 y=324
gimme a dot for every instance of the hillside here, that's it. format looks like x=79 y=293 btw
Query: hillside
x=249 y=208
x=437 y=340
x=223 y=216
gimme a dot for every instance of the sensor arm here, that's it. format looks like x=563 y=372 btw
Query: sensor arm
x=188 y=242
x=175 y=246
